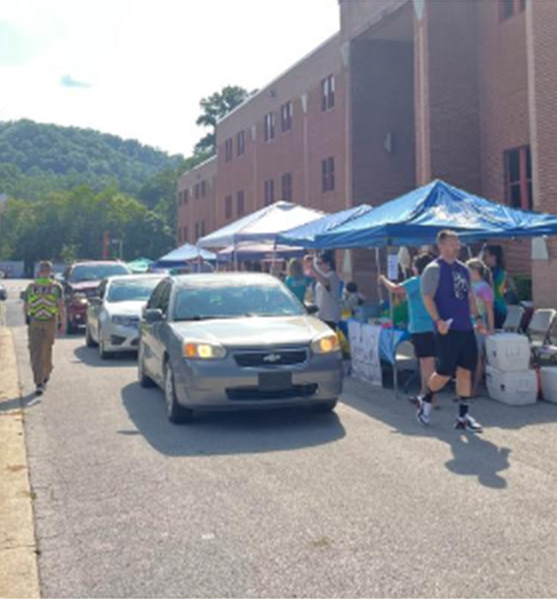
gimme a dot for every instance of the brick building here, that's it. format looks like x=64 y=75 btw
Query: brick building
x=463 y=90
x=196 y=202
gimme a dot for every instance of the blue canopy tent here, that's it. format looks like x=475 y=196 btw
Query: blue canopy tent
x=305 y=235
x=183 y=254
x=416 y=218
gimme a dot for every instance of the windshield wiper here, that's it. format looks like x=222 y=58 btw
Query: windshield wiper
x=199 y=318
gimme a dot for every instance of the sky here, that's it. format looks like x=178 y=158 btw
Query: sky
x=138 y=68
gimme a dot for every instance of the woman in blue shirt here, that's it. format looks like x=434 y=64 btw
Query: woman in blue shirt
x=420 y=325
x=296 y=280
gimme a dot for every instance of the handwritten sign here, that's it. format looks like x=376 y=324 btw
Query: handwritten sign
x=364 y=351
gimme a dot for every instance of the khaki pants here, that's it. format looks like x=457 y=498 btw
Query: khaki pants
x=41 y=339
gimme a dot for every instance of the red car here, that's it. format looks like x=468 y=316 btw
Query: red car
x=81 y=282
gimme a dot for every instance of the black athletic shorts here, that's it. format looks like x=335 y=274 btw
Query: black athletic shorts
x=424 y=345
x=456 y=349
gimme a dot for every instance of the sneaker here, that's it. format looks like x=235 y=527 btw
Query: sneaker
x=422 y=414
x=468 y=424
x=40 y=389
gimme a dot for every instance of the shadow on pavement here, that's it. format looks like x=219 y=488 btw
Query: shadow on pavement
x=473 y=455
x=15 y=403
x=224 y=433
x=90 y=356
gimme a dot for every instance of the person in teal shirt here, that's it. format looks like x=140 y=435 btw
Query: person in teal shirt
x=420 y=324
x=296 y=280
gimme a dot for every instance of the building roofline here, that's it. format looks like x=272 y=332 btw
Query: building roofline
x=281 y=76
x=200 y=165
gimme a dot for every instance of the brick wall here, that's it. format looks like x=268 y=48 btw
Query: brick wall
x=196 y=211
x=504 y=114
x=449 y=78
x=542 y=48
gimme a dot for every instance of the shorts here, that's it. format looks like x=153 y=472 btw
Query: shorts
x=424 y=345
x=456 y=349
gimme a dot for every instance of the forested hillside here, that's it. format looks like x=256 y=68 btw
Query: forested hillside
x=37 y=158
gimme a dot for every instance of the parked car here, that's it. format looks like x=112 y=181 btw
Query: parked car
x=113 y=314
x=3 y=293
x=235 y=341
x=81 y=282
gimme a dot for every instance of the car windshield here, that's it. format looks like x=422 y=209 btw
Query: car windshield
x=235 y=301
x=96 y=272
x=134 y=290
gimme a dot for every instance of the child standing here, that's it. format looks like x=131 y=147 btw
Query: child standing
x=420 y=325
x=480 y=275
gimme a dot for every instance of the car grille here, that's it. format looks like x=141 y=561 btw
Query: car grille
x=254 y=393
x=271 y=358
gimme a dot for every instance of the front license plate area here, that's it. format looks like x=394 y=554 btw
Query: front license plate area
x=275 y=381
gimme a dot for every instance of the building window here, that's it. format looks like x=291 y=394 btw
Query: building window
x=202 y=228
x=241 y=143
x=241 y=203
x=286 y=117
x=179 y=198
x=228 y=207
x=228 y=150
x=270 y=126
x=328 y=93
x=269 y=192
x=186 y=196
x=185 y=235
x=287 y=187
x=197 y=191
x=328 y=174
x=509 y=8
x=203 y=188
x=196 y=231
x=518 y=178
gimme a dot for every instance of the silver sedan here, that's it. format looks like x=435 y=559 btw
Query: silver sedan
x=235 y=341
x=113 y=314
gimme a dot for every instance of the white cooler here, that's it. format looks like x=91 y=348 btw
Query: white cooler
x=508 y=352
x=512 y=388
x=549 y=383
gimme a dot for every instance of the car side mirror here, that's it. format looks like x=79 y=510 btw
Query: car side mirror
x=153 y=316
x=312 y=309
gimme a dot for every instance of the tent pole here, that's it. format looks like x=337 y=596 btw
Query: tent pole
x=393 y=347
x=378 y=268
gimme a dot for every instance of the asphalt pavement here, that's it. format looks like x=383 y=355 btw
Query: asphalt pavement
x=361 y=503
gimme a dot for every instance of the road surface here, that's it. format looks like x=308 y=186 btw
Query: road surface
x=291 y=504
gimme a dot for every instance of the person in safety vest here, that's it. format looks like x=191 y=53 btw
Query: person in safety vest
x=44 y=312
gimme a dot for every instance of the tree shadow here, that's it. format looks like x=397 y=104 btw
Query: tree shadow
x=226 y=433
x=473 y=455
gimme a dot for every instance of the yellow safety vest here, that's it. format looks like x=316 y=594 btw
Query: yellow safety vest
x=42 y=298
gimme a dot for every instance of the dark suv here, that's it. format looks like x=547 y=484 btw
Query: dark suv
x=81 y=282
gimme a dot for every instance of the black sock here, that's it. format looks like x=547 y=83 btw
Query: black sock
x=463 y=407
x=428 y=397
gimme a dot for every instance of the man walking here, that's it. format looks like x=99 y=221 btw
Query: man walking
x=449 y=299
x=44 y=309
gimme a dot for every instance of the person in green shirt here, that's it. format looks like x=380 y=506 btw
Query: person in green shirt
x=44 y=311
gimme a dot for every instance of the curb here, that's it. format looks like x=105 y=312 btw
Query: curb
x=19 y=575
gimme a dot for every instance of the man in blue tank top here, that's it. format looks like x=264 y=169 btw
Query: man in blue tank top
x=449 y=299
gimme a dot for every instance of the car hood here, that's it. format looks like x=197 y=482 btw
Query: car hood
x=84 y=285
x=132 y=308
x=253 y=332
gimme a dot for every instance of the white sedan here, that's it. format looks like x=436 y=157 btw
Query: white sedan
x=113 y=315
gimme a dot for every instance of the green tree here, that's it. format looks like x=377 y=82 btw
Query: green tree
x=214 y=108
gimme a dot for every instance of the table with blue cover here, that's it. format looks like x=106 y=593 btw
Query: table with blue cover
x=388 y=342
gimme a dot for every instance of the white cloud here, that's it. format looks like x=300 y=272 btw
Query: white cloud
x=149 y=64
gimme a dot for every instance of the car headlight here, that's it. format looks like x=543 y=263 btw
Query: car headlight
x=79 y=298
x=194 y=350
x=123 y=321
x=325 y=345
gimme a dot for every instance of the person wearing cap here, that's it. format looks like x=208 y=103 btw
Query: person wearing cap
x=44 y=310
